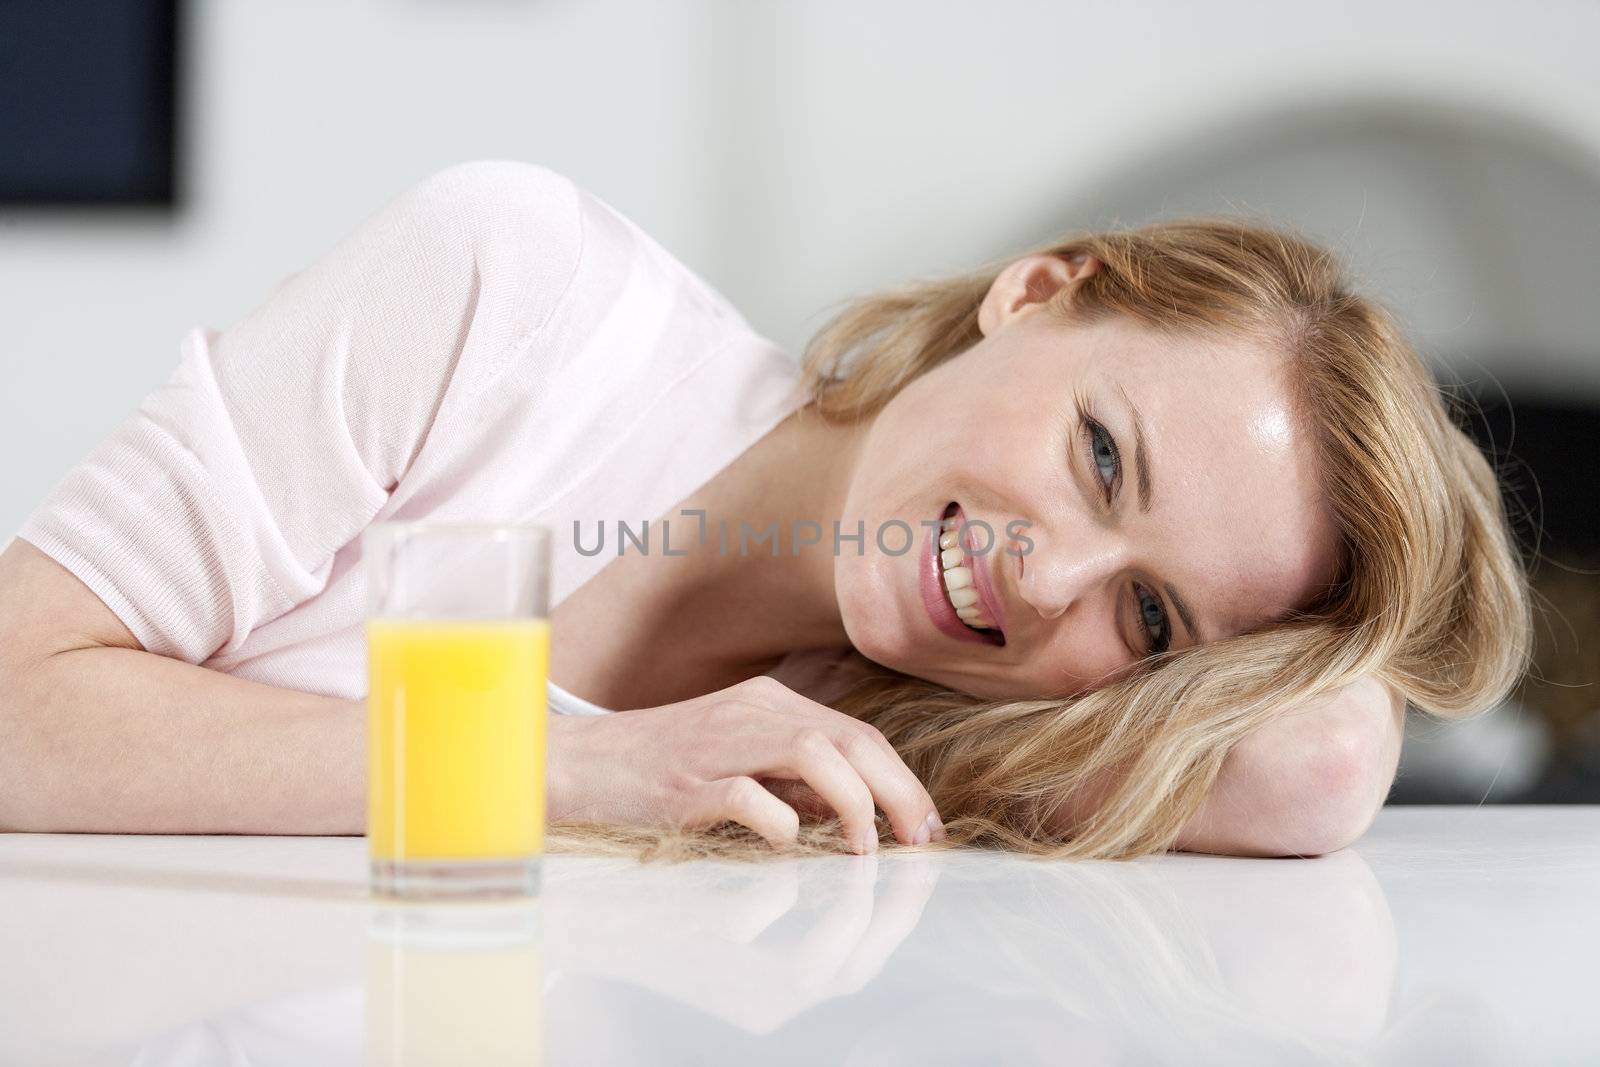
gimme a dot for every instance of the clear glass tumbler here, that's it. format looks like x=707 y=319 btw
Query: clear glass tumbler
x=458 y=652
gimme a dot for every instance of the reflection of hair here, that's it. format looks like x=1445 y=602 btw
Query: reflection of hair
x=1431 y=596
x=1119 y=946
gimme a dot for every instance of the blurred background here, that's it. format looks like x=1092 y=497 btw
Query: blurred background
x=164 y=164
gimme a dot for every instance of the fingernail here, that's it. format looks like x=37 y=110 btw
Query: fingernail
x=935 y=826
x=921 y=836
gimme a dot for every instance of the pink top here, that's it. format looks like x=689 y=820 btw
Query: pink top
x=496 y=344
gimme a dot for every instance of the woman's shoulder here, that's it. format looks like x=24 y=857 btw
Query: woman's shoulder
x=493 y=198
x=607 y=284
x=519 y=207
x=516 y=216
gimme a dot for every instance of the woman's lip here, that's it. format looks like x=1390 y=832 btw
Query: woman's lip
x=982 y=579
x=933 y=599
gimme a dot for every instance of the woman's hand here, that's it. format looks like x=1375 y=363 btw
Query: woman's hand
x=699 y=762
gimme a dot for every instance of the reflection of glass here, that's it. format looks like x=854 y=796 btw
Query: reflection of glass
x=455 y=984
x=458 y=648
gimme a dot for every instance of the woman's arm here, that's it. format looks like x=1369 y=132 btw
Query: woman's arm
x=221 y=503
x=99 y=736
x=1306 y=783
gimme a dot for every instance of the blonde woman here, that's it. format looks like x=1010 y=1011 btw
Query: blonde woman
x=1231 y=531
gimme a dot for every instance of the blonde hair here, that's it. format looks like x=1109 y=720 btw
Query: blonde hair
x=1431 y=597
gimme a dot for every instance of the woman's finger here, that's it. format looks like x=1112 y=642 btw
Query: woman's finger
x=743 y=800
x=894 y=787
x=799 y=796
x=810 y=755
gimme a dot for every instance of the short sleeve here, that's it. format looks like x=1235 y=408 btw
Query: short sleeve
x=219 y=504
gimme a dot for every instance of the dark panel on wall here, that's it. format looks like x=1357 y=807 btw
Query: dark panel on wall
x=89 y=102
x=1545 y=449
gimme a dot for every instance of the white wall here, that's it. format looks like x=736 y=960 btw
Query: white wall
x=796 y=153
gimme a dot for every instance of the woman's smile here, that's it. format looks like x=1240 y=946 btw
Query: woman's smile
x=956 y=587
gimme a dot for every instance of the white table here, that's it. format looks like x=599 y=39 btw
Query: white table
x=1459 y=936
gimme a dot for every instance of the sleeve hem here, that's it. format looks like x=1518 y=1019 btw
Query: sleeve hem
x=101 y=583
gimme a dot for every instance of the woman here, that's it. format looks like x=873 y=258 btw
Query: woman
x=1233 y=531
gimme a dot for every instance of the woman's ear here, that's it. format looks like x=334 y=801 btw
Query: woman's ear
x=1027 y=284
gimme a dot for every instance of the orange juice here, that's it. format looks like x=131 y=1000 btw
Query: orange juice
x=456 y=735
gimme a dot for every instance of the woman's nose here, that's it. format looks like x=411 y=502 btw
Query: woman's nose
x=1055 y=575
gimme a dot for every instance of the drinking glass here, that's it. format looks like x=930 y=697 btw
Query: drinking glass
x=458 y=649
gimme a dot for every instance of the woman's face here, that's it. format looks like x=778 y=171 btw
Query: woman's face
x=1144 y=493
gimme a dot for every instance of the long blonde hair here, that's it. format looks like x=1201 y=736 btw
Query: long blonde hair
x=1431 y=597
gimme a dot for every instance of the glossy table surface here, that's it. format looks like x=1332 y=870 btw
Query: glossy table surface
x=1447 y=935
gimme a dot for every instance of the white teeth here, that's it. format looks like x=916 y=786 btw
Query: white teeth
x=958 y=578
x=973 y=615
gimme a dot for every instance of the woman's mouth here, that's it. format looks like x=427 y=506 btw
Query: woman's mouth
x=960 y=611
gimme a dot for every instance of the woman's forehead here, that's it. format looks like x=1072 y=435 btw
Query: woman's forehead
x=1218 y=355
x=1240 y=506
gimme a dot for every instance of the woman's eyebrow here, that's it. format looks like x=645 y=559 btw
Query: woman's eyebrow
x=1141 y=459
x=1183 y=613
x=1141 y=464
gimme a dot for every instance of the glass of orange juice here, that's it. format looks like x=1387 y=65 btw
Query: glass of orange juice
x=458 y=649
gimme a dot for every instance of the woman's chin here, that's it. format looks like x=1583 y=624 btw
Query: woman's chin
x=880 y=644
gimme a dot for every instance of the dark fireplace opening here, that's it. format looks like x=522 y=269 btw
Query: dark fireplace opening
x=1546 y=450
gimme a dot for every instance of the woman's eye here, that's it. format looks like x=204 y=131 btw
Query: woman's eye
x=1153 y=617
x=1103 y=451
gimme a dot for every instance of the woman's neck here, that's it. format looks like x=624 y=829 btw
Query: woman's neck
x=650 y=630
x=756 y=589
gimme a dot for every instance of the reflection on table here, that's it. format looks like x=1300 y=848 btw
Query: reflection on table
x=1441 y=938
